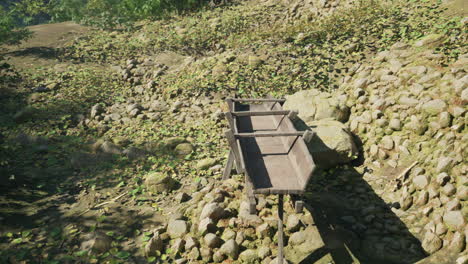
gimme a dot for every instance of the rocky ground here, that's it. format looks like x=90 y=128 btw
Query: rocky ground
x=112 y=146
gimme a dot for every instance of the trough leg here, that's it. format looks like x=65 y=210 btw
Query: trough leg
x=233 y=144
x=280 y=229
x=299 y=206
x=250 y=196
x=228 y=168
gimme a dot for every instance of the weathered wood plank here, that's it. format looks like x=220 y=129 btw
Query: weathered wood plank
x=230 y=120
x=280 y=100
x=261 y=113
x=299 y=206
x=233 y=144
x=229 y=163
x=280 y=229
x=268 y=134
x=250 y=195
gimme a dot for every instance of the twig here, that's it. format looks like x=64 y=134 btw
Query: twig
x=111 y=201
x=401 y=177
x=405 y=171
x=103 y=203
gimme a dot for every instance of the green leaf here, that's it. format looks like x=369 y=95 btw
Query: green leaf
x=123 y=255
x=25 y=233
x=81 y=253
x=17 y=240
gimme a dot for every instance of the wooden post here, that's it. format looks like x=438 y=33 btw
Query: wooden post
x=230 y=104
x=299 y=206
x=250 y=195
x=261 y=113
x=292 y=115
x=280 y=229
x=233 y=144
x=230 y=119
x=228 y=168
x=308 y=135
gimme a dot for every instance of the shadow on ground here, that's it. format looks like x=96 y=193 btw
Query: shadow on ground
x=355 y=224
x=50 y=186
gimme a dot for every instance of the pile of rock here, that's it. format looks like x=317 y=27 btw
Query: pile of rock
x=406 y=108
x=216 y=226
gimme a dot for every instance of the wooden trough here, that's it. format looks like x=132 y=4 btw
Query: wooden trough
x=268 y=149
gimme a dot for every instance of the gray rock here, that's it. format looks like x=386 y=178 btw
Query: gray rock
x=445 y=119
x=453 y=205
x=110 y=148
x=462 y=193
x=449 y=189
x=182 y=197
x=442 y=178
x=177 y=228
x=246 y=217
x=404 y=100
x=97 y=109
x=293 y=223
x=430 y=39
x=431 y=242
x=366 y=117
x=133 y=107
x=218 y=257
x=387 y=143
x=97 y=243
x=332 y=144
x=462 y=259
x=406 y=202
x=177 y=246
x=395 y=124
x=212 y=241
x=444 y=164
x=190 y=243
x=423 y=198
x=249 y=256
x=417 y=126
x=228 y=234
x=263 y=252
x=134 y=153
x=154 y=244
x=263 y=230
x=115 y=116
x=315 y=105
x=205 y=163
x=172 y=142
x=464 y=95
x=302 y=243
x=205 y=226
x=158 y=182
x=194 y=254
x=360 y=83
x=454 y=220
x=421 y=181
x=230 y=248
x=458 y=243
x=213 y=211
x=276 y=261
x=184 y=149
x=435 y=107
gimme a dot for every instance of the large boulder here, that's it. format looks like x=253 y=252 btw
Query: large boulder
x=303 y=243
x=333 y=143
x=158 y=182
x=315 y=105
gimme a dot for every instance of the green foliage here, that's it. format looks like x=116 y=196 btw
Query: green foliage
x=9 y=32
x=116 y=13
